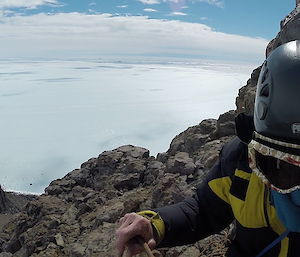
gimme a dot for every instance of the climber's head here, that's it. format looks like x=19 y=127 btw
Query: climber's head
x=277 y=103
x=275 y=149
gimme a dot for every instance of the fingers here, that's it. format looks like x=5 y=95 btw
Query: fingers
x=125 y=233
x=134 y=248
x=151 y=243
x=130 y=226
x=127 y=220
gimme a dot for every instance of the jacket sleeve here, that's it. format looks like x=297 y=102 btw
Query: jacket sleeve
x=208 y=211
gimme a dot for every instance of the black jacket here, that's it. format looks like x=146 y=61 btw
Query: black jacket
x=230 y=192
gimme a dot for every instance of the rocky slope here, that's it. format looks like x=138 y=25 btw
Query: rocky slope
x=78 y=214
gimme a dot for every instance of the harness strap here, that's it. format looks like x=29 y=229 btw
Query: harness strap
x=275 y=242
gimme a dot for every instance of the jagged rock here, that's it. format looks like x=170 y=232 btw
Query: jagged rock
x=246 y=95
x=193 y=138
x=3 y=201
x=289 y=31
x=181 y=163
x=171 y=188
x=5 y=254
x=12 y=202
x=225 y=125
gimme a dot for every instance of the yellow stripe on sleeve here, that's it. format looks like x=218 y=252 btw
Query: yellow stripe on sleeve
x=221 y=187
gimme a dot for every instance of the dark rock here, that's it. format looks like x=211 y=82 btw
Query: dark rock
x=3 y=201
x=225 y=125
x=11 y=202
x=246 y=95
x=181 y=163
x=289 y=31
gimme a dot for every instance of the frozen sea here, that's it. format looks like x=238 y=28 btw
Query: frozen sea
x=57 y=114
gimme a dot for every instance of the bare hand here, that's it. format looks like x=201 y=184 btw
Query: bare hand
x=132 y=225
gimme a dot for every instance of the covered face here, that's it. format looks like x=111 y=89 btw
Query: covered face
x=276 y=163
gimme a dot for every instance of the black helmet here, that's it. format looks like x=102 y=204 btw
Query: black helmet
x=277 y=103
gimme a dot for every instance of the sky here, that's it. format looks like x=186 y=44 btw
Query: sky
x=234 y=30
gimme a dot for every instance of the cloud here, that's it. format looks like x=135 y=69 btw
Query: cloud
x=122 y=6
x=177 y=14
x=28 y=4
x=150 y=10
x=177 y=5
x=77 y=34
x=149 y=1
x=93 y=11
x=219 y=3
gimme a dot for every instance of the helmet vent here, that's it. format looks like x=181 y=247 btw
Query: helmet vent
x=265 y=76
x=265 y=91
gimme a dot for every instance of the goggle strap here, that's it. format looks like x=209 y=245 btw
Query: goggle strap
x=277 y=144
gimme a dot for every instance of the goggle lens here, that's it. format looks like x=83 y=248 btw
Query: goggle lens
x=278 y=169
x=279 y=173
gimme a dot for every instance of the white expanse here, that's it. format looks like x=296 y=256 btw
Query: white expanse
x=56 y=114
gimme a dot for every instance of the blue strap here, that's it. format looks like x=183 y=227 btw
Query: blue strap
x=275 y=242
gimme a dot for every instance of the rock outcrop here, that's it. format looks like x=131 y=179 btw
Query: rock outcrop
x=289 y=30
x=246 y=97
x=11 y=203
x=78 y=214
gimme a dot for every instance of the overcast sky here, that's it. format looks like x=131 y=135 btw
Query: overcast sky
x=203 y=29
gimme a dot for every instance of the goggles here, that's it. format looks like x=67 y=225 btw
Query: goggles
x=276 y=163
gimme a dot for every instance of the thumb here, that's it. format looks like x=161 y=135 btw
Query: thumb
x=151 y=243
